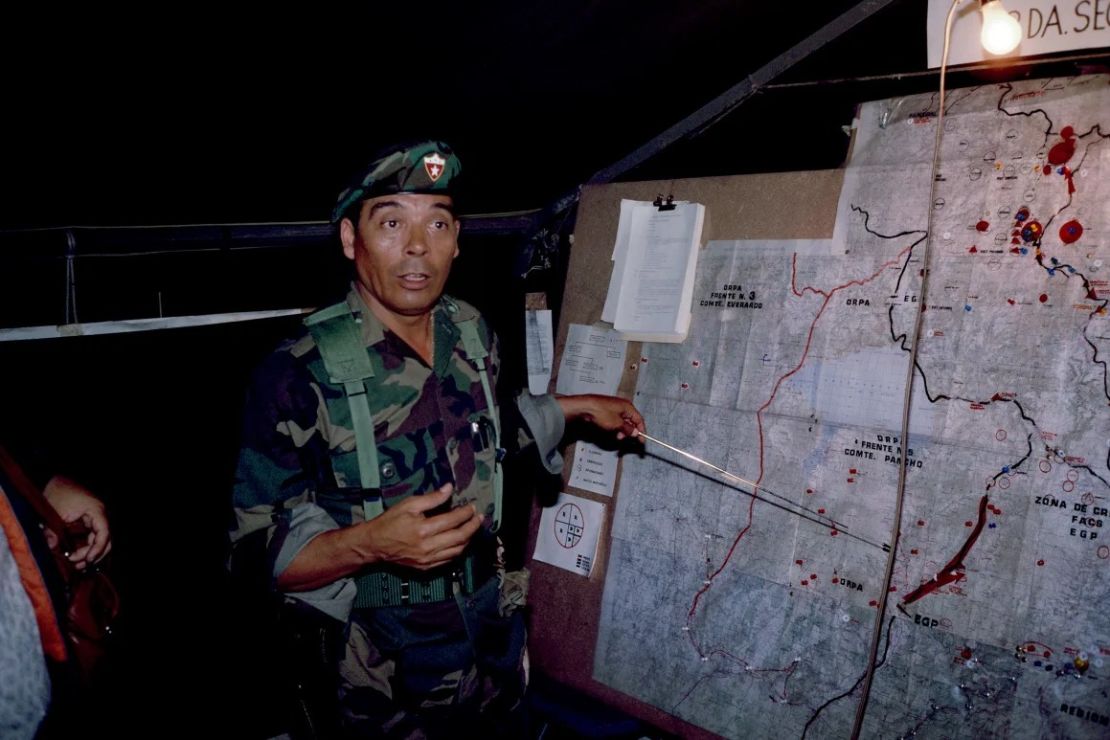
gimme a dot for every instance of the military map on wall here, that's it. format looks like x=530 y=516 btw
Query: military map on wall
x=753 y=618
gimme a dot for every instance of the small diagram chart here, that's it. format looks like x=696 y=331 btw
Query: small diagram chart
x=569 y=532
x=569 y=525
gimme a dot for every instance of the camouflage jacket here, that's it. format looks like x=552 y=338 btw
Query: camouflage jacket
x=297 y=473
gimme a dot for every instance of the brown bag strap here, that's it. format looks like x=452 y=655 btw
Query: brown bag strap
x=31 y=493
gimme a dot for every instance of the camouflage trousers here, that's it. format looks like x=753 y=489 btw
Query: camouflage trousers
x=435 y=670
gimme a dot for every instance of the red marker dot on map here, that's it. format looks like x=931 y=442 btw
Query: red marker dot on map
x=1043 y=298
x=1061 y=152
x=966 y=653
x=1047 y=169
x=805 y=583
x=833 y=533
x=973 y=249
x=799 y=562
x=872 y=603
x=853 y=471
x=835 y=579
x=1040 y=562
x=982 y=225
x=1071 y=231
x=1010 y=301
x=809 y=490
x=913 y=551
x=820 y=511
x=921 y=522
x=968 y=524
x=685 y=386
x=813 y=577
x=696 y=363
x=893 y=589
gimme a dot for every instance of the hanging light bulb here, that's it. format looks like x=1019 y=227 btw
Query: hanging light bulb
x=1001 y=31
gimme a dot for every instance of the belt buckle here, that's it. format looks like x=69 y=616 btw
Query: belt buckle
x=458 y=575
x=405 y=591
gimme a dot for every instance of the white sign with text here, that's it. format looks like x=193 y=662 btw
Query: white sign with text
x=1046 y=27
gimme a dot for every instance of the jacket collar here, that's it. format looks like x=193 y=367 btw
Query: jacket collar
x=446 y=334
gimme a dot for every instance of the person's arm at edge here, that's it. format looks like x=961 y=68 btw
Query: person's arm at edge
x=75 y=503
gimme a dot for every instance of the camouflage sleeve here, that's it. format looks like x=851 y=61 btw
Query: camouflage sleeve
x=544 y=421
x=274 y=494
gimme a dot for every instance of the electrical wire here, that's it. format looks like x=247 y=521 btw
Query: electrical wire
x=896 y=527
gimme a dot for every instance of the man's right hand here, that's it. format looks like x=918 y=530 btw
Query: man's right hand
x=403 y=534
x=406 y=535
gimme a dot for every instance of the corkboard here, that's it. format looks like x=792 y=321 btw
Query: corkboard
x=565 y=607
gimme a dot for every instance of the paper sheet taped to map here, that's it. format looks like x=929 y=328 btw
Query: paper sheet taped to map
x=758 y=619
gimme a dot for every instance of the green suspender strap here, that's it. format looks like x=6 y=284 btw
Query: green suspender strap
x=476 y=351
x=348 y=364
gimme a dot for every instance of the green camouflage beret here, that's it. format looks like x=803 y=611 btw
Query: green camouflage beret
x=427 y=167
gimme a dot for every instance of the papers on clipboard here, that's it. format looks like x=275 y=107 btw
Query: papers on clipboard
x=654 y=260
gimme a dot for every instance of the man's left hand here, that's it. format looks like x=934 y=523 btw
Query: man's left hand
x=610 y=413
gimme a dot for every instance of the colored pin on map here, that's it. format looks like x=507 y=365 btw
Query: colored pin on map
x=1031 y=231
x=1071 y=231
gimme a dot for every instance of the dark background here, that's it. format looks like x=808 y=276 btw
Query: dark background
x=119 y=119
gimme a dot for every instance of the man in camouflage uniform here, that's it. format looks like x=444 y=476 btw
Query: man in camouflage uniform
x=394 y=537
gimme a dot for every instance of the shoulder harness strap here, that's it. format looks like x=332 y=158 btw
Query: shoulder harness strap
x=337 y=335
x=477 y=352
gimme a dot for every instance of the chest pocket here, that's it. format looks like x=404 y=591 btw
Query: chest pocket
x=409 y=465
x=477 y=462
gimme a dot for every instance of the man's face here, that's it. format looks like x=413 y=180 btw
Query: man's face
x=402 y=247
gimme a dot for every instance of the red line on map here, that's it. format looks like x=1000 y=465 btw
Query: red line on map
x=954 y=569
x=759 y=414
